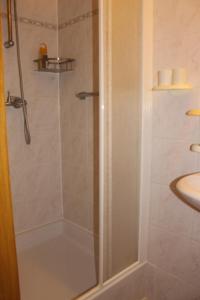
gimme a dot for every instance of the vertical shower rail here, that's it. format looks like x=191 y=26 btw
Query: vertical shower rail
x=9 y=43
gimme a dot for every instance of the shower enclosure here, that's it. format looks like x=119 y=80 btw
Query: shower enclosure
x=74 y=152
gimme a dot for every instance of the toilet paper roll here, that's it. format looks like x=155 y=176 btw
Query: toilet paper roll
x=164 y=77
x=179 y=76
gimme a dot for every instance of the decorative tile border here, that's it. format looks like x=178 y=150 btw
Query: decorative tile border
x=34 y=22
x=78 y=19
x=38 y=23
x=51 y=26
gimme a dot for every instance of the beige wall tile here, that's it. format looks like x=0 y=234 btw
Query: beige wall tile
x=174 y=235
x=35 y=169
x=170 y=213
x=161 y=285
x=171 y=159
x=77 y=121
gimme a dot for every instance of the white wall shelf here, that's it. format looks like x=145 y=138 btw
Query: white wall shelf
x=173 y=87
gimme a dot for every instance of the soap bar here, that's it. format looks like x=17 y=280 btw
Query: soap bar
x=194 y=112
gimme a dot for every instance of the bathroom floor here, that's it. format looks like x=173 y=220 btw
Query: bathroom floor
x=57 y=268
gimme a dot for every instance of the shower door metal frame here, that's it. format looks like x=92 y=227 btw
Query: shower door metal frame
x=146 y=137
x=9 y=280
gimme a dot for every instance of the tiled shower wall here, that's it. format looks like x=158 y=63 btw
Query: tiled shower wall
x=35 y=169
x=78 y=38
x=174 y=246
x=70 y=29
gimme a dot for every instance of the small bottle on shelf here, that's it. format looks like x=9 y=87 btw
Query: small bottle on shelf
x=43 y=55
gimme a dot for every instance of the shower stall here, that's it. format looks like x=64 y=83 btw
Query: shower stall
x=72 y=72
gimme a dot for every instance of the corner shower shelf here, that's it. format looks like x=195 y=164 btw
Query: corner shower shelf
x=55 y=65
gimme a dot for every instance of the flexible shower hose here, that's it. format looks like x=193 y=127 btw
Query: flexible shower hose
x=24 y=108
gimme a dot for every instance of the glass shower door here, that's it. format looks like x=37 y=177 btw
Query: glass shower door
x=122 y=135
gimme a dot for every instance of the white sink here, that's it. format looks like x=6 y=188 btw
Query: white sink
x=189 y=188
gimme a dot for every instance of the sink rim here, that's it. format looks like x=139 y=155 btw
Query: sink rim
x=186 y=186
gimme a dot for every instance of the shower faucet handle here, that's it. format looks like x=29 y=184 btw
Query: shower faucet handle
x=14 y=101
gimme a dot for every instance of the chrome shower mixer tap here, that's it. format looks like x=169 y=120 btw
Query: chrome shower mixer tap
x=14 y=101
